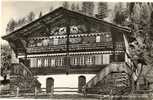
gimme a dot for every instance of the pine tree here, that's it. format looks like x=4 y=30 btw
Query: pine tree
x=77 y=7
x=51 y=9
x=88 y=8
x=40 y=14
x=141 y=48
x=120 y=14
x=65 y=5
x=31 y=16
x=73 y=8
x=5 y=62
x=11 y=25
x=21 y=22
x=102 y=10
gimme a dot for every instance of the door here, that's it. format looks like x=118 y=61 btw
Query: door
x=49 y=85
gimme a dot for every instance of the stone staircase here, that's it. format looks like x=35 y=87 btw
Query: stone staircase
x=106 y=80
x=22 y=77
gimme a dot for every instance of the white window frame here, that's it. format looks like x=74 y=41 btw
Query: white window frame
x=55 y=42
x=98 y=38
x=39 y=62
x=46 y=62
x=89 y=60
x=52 y=61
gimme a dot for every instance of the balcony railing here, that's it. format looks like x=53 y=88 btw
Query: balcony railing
x=72 y=47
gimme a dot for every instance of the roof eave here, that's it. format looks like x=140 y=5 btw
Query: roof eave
x=6 y=37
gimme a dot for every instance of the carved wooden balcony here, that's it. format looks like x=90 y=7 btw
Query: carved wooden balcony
x=72 y=47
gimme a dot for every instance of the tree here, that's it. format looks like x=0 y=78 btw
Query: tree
x=88 y=8
x=5 y=62
x=51 y=9
x=40 y=14
x=65 y=5
x=77 y=8
x=11 y=25
x=73 y=8
x=102 y=10
x=21 y=22
x=120 y=14
x=141 y=48
x=31 y=16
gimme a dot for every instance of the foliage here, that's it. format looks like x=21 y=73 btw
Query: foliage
x=88 y=8
x=40 y=14
x=5 y=60
x=51 y=9
x=21 y=21
x=120 y=14
x=141 y=48
x=65 y=5
x=102 y=10
x=73 y=7
x=31 y=16
x=140 y=20
x=11 y=25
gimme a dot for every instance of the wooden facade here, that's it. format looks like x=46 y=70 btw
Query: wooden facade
x=64 y=41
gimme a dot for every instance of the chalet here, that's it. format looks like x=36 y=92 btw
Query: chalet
x=68 y=45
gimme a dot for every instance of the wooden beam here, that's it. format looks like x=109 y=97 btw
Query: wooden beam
x=68 y=20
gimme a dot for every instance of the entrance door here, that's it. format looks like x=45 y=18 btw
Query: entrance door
x=49 y=85
x=81 y=83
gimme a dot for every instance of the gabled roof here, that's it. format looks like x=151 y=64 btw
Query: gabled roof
x=62 y=10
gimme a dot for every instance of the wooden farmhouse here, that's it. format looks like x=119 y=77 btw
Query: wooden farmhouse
x=71 y=48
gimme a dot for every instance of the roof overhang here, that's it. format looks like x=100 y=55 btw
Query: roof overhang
x=44 y=19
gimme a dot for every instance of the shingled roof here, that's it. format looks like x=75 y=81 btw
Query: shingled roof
x=61 y=10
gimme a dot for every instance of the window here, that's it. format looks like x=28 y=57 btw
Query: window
x=39 y=62
x=97 y=38
x=108 y=37
x=45 y=42
x=89 y=60
x=33 y=62
x=62 y=41
x=39 y=44
x=74 y=61
x=106 y=58
x=46 y=62
x=56 y=41
x=50 y=42
x=81 y=60
x=98 y=59
x=52 y=62
x=59 y=61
